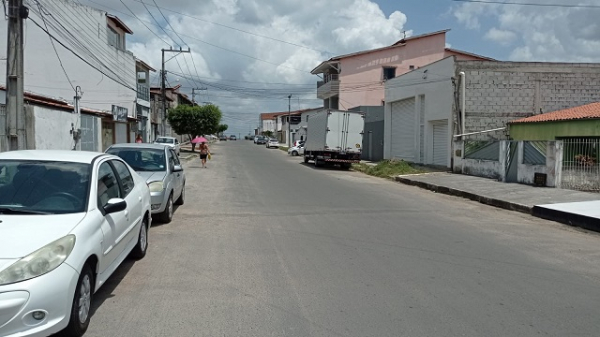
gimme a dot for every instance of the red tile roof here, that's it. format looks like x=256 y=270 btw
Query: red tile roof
x=588 y=111
x=271 y=115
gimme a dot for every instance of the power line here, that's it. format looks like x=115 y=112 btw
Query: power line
x=78 y=56
x=527 y=4
x=142 y=22
x=54 y=47
x=236 y=29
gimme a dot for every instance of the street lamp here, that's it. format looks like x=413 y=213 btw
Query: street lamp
x=289 y=142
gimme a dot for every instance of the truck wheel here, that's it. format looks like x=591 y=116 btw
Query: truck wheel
x=346 y=166
x=305 y=159
x=317 y=163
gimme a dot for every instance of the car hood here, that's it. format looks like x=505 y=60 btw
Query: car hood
x=152 y=176
x=21 y=235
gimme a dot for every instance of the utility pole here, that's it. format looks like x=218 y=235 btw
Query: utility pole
x=289 y=120
x=77 y=132
x=163 y=94
x=194 y=93
x=15 y=115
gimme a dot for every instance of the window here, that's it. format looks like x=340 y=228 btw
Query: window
x=174 y=156
x=108 y=186
x=125 y=176
x=389 y=73
x=171 y=159
x=411 y=67
x=114 y=38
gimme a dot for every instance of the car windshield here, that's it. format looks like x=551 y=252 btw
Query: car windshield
x=43 y=187
x=165 y=140
x=142 y=160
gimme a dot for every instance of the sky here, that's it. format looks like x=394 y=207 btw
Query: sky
x=250 y=55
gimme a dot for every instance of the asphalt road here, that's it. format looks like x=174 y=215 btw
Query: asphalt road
x=268 y=246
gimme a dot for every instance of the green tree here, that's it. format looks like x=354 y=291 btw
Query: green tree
x=268 y=133
x=222 y=128
x=195 y=120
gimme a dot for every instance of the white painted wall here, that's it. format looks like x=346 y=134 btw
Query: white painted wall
x=43 y=72
x=53 y=128
x=434 y=82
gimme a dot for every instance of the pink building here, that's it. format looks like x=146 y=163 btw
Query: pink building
x=357 y=79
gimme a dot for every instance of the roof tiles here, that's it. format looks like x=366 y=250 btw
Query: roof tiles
x=588 y=111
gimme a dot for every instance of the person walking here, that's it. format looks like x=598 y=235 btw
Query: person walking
x=204 y=152
x=139 y=139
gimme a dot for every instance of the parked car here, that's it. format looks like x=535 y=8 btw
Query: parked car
x=272 y=142
x=171 y=141
x=223 y=138
x=261 y=140
x=232 y=137
x=162 y=171
x=68 y=219
x=296 y=150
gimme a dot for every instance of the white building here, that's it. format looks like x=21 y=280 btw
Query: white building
x=107 y=77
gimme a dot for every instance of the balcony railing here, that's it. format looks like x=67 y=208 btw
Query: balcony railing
x=143 y=92
x=328 y=89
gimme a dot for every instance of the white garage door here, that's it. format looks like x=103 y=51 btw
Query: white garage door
x=403 y=130
x=440 y=143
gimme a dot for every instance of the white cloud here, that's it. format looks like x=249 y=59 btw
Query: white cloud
x=503 y=37
x=538 y=33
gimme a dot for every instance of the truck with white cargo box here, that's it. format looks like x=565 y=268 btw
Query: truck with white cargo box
x=334 y=137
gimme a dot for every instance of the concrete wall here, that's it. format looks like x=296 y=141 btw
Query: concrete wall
x=525 y=172
x=44 y=75
x=52 y=128
x=497 y=92
x=554 y=130
x=435 y=83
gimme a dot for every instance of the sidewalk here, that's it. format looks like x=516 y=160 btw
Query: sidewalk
x=574 y=208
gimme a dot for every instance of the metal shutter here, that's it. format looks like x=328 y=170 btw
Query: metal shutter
x=403 y=130
x=440 y=143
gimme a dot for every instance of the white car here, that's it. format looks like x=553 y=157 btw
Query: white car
x=272 y=143
x=67 y=221
x=296 y=150
x=171 y=141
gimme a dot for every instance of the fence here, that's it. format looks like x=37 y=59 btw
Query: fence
x=580 y=166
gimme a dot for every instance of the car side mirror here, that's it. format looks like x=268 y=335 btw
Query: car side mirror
x=115 y=205
x=177 y=168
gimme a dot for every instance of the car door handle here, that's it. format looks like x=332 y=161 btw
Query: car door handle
x=140 y=199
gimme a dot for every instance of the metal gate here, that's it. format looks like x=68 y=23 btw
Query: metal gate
x=89 y=133
x=403 y=130
x=580 y=164
x=440 y=143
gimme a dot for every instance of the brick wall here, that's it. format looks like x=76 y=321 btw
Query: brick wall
x=497 y=92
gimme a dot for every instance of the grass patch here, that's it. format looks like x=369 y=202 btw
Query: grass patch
x=284 y=148
x=387 y=168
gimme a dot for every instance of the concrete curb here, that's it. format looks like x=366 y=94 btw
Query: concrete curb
x=513 y=206
x=567 y=218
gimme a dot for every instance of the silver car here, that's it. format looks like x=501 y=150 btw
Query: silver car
x=170 y=141
x=160 y=166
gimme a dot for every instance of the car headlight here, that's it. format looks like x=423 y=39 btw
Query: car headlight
x=156 y=186
x=40 y=262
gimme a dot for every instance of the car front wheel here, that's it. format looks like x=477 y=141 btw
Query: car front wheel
x=139 y=251
x=167 y=215
x=82 y=302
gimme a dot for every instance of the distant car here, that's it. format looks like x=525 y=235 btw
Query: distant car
x=296 y=150
x=69 y=219
x=232 y=137
x=171 y=141
x=223 y=138
x=261 y=140
x=162 y=171
x=272 y=143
